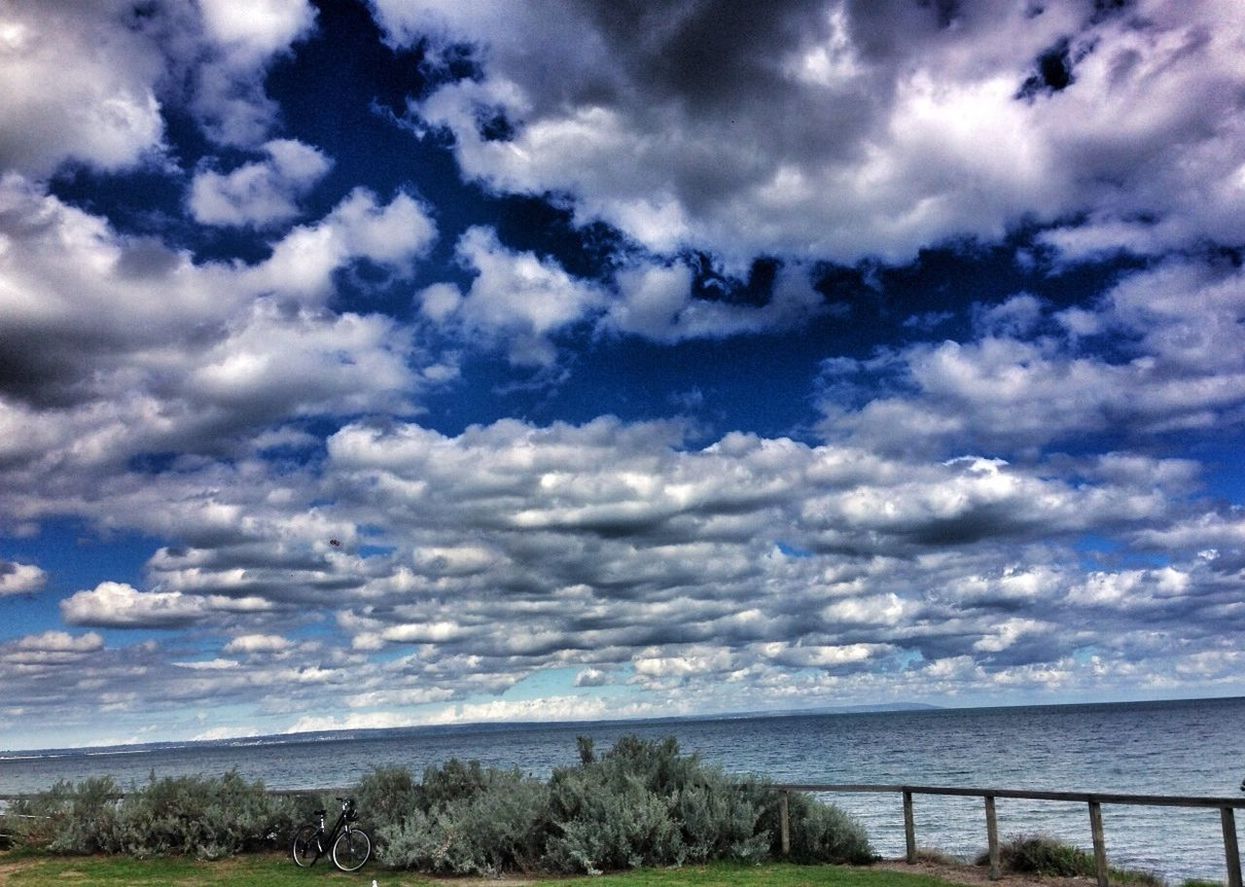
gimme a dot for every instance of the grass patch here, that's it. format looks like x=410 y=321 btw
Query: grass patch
x=274 y=871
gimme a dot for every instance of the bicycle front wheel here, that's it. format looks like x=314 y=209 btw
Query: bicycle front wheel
x=351 y=850
x=305 y=848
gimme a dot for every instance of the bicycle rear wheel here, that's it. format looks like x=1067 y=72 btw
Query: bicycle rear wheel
x=351 y=850
x=305 y=848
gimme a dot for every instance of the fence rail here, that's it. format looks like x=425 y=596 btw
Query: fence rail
x=1094 y=800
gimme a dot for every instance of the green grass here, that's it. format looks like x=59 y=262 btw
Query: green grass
x=274 y=871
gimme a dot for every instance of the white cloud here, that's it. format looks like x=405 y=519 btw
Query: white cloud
x=656 y=302
x=687 y=579
x=100 y=110
x=550 y=708
x=1177 y=364
x=120 y=605
x=516 y=299
x=258 y=29
x=353 y=721
x=257 y=643
x=89 y=385
x=61 y=642
x=258 y=194
x=208 y=665
x=814 y=132
x=393 y=235
x=238 y=45
x=17 y=578
x=48 y=652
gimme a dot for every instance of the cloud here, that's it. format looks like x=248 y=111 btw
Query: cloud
x=105 y=110
x=690 y=579
x=516 y=299
x=119 y=605
x=238 y=45
x=393 y=236
x=208 y=665
x=101 y=110
x=927 y=538
x=258 y=30
x=590 y=532
x=813 y=132
x=88 y=385
x=60 y=642
x=521 y=302
x=656 y=302
x=17 y=578
x=1034 y=376
x=257 y=643
x=258 y=194
x=551 y=708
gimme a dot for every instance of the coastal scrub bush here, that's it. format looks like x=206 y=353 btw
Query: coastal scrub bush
x=70 y=819
x=197 y=816
x=1042 y=855
x=462 y=819
x=201 y=816
x=644 y=803
x=824 y=833
x=389 y=795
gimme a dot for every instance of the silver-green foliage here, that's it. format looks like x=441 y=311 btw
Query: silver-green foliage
x=197 y=816
x=824 y=833
x=640 y=804
x=461 y=820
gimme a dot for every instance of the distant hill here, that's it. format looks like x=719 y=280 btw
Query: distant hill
x=825 y=710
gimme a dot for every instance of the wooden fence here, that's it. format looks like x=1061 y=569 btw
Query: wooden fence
x=1225 y=806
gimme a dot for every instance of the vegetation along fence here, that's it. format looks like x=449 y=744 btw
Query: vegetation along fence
x=1225 y=806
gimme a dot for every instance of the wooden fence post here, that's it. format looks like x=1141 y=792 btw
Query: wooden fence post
x=1100 y=842
x=784 y=813
x=1231 y=852
x=992 y=838
x=909 y=827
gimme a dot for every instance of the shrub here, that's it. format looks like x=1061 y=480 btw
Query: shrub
x=641 y=803
x=824 y=833
x=68 y=819
x=388 y=795
x=462 y=820
x=602 y=826
x=1042 y=855
x=197 y=816
x=200 y=816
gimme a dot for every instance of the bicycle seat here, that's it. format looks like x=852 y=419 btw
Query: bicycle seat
x=318 y=812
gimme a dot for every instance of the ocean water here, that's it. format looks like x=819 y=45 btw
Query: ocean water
x=1191 y=747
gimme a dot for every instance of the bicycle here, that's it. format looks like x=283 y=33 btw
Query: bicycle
x=348 y=845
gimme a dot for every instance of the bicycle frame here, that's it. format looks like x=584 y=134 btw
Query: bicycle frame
x=324 y=843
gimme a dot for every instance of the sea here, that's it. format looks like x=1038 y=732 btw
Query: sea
x=1186 y=747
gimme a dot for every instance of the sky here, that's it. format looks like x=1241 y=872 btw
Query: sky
x=370 y=364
